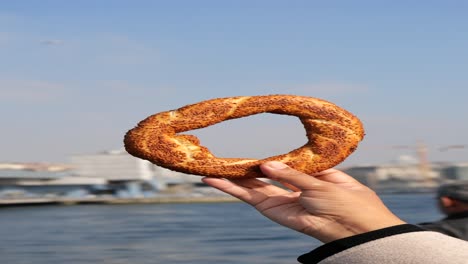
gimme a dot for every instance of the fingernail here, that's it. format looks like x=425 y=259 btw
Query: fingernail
x=276 y=165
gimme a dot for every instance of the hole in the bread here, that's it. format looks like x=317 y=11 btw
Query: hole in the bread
x=256 y=136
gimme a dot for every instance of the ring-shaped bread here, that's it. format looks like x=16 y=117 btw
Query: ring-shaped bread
x=332 y=132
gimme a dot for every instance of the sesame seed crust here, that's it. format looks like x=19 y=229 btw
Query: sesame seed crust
x=332 y=132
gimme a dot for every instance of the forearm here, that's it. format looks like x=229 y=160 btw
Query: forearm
x=397 y=244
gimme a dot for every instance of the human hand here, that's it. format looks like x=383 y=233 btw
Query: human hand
x=328 y=205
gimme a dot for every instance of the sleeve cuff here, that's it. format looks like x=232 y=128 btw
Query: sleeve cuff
x=334 y=247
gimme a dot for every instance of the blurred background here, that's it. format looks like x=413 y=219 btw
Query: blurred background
x=75 y=76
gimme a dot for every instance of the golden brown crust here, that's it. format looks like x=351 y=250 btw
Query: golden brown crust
x=333 y=134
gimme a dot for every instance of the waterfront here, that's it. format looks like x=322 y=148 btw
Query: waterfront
x=164 y=233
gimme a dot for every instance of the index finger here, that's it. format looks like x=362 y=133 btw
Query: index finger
x=335 y=176
x=281 y=172
x=247 y=195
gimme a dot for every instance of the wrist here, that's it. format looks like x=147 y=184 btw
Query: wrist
x=339 y=230
x=374 y=222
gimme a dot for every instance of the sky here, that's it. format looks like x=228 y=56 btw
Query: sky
x=75 y=76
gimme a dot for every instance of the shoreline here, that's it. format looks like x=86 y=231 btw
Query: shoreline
x=114 y=200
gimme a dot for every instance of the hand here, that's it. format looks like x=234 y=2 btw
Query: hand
x=328 y=205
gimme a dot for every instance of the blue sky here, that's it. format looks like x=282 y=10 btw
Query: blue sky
x=76 y=75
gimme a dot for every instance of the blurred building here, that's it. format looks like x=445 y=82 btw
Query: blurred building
x=128 y=175
x=396 y=177
x=110 y=173
x=19 y=180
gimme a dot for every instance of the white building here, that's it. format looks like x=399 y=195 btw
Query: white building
x=39 y=179
x=395 y=176
x=119 y=166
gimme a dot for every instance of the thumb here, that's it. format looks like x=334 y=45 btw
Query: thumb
x=281 y=172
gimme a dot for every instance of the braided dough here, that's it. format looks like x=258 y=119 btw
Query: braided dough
x=333 y=133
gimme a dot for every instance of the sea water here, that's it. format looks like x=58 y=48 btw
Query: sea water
x=202 y=233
